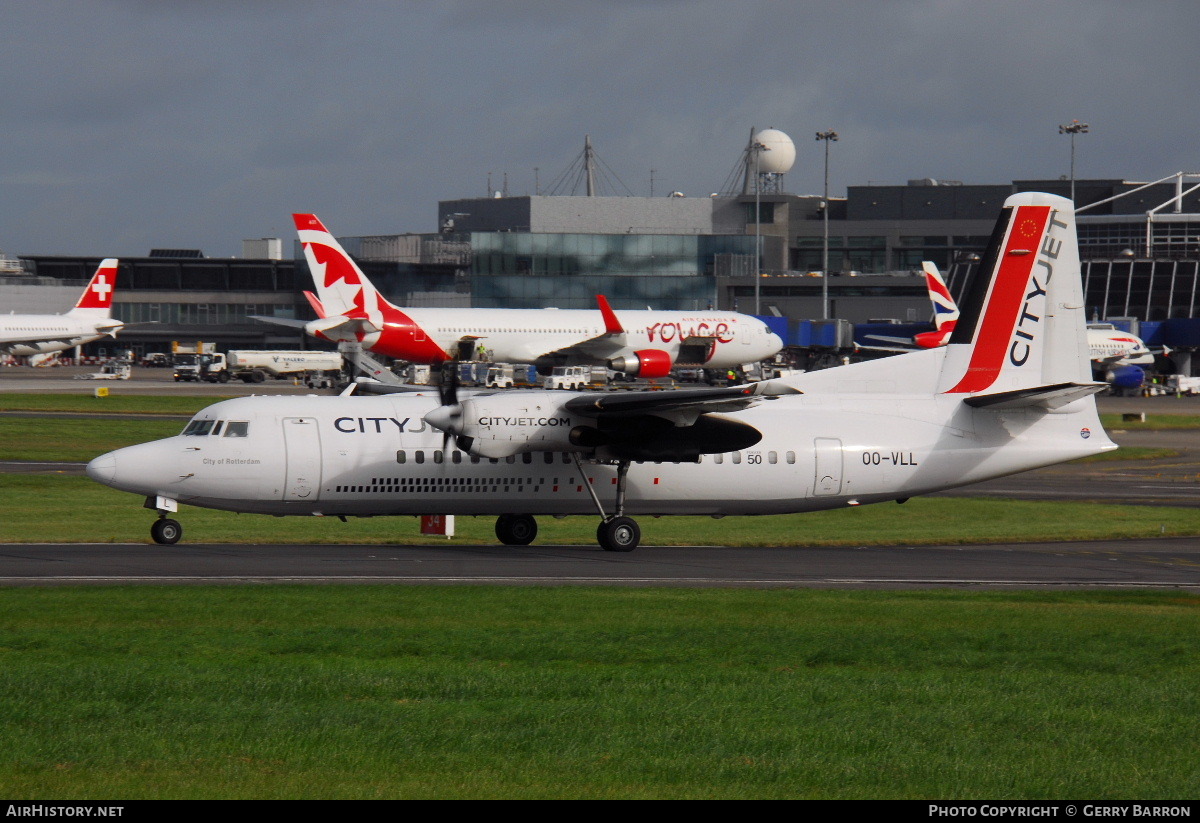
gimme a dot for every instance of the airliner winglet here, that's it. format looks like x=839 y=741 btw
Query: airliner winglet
x=611 y=324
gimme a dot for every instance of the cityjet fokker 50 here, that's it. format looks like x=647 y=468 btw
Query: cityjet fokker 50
x=1011 y=391
x=91 y=319
x=642 y=343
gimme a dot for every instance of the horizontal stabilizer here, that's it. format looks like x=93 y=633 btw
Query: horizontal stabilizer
x=366 y=385
x=341 y=327
x=1046 y=397
x=279 y=321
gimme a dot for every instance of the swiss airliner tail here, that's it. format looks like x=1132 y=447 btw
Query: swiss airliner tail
x=97 y=298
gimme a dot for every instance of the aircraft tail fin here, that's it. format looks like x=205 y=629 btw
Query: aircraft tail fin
x=945 y=309
x=97 y=298
x=342 y=288
x=1022 y=324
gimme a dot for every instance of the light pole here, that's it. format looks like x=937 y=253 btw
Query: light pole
x=758 y=148
x=829 y=137
x=1073 y=128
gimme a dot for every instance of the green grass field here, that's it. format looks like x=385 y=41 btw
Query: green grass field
x=391 y=692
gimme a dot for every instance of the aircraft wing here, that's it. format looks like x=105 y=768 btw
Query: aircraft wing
x=602 y=345
x=33 y=339
x=680 y=405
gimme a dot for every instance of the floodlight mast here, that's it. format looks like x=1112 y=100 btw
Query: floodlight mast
x=828 y=137
x=1073 y=128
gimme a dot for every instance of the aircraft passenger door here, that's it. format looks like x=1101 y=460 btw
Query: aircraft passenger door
x=302 y=445
x=828 y=477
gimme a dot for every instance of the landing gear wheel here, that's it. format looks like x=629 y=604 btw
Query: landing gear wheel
x=516 y=529
x=620 y=534
x=166 y=531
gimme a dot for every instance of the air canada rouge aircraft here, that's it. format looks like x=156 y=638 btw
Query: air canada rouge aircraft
x=639 y=343
x=91 y=319
x=1009 y=392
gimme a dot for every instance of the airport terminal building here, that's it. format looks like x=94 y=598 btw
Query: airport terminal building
x=1140 y=243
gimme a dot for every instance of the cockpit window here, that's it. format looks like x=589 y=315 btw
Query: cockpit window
x=198 y=427
x=237 y=428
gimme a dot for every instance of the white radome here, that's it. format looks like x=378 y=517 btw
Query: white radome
x=781 y=153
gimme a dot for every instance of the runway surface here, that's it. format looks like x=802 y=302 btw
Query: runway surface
x=1172 y=563
x=1128 y=564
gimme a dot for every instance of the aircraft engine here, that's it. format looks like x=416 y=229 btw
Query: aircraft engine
x=501 y=425
x=931 y=339
x=510 y=423
x=1126 y=377
x=648 y=363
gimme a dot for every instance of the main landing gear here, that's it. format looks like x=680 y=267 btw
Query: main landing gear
x=516 y=529
x=616 y=532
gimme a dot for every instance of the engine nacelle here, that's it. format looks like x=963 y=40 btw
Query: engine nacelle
x=931 y=339
x=501 y=425
x=648 y=363
x=1126 y=377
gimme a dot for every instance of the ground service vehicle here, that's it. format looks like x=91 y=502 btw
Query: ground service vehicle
x=254 y=366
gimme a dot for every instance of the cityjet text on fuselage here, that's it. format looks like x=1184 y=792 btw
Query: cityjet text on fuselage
x=376 y=425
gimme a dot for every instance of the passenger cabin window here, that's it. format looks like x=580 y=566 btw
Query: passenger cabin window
x=237 y=428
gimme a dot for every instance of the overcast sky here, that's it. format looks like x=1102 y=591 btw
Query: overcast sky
x=188 y=124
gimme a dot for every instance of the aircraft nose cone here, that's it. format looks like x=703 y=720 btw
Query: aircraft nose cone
x=103 y=469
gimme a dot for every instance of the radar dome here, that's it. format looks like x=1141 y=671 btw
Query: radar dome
x=781 y=153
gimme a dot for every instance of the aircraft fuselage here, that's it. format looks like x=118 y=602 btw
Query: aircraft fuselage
x=365 y=456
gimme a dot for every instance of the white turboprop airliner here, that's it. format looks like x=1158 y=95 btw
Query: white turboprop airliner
x=91 y=319
x=1010 y=391
x=640 y=343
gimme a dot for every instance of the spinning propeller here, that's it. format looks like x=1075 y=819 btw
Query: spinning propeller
x=448 y=416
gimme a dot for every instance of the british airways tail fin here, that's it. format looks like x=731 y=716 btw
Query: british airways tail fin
x=97 y=298
x=945 y=310
x=1021 y=337
x=342 y=288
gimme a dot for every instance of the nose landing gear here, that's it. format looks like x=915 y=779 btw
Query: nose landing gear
x=165 y=531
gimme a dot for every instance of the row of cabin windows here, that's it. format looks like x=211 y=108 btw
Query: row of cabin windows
x=548 y=457
x=457 y=457
x=772 y=457
x=213 y=428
